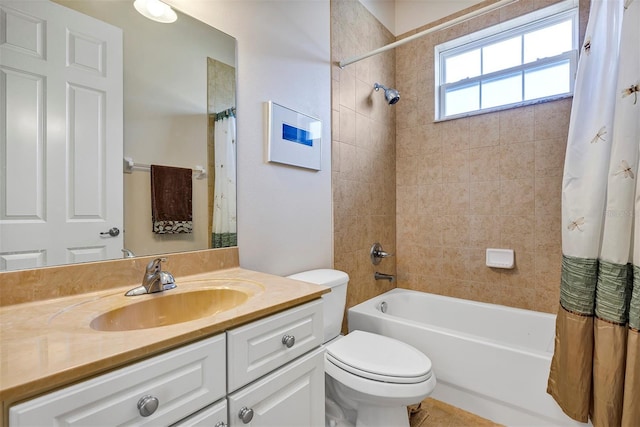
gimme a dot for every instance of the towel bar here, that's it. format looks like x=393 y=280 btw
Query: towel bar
x=199 y=172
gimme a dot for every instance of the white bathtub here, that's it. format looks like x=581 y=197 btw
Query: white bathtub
x=489 y=359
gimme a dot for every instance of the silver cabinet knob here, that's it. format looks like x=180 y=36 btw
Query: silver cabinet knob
x=288 y=340
x=246 y=415
x=221 y=424
x=147 y=405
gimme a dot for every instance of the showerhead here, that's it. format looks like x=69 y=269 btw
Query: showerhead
x=391 y=95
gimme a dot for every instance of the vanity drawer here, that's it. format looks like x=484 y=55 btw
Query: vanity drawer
x=183 y=380
x=264 y=345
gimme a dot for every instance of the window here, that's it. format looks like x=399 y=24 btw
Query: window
x=523 y=61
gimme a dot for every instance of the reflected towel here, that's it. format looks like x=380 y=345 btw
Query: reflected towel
x=171 y=200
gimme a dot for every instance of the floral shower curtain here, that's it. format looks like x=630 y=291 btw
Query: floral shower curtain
x=224 y=229
x=595 y=371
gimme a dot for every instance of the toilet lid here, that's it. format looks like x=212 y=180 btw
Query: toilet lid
x=379 y=358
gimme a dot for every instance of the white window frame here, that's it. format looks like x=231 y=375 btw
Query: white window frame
x=524 y=24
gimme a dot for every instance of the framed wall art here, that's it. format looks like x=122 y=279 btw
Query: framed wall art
x=293 y=138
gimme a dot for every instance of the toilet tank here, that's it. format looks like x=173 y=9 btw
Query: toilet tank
x=333 y=302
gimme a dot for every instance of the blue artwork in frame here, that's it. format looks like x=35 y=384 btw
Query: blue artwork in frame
x=293 y=138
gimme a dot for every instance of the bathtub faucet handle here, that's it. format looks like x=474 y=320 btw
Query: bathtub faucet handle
x=377 y=253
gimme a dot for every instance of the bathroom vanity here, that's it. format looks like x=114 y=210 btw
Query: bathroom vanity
x=258 y=362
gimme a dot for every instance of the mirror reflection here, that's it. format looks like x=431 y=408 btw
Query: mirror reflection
x=178 y=104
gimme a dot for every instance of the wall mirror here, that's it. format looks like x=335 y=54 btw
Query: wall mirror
x=178 y=105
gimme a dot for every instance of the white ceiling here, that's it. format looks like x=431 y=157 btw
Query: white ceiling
x=400 y=16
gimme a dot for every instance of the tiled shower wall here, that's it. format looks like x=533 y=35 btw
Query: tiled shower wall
x=363 y=150
x=488 y=181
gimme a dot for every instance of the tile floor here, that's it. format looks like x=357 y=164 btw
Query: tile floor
x=433 y=413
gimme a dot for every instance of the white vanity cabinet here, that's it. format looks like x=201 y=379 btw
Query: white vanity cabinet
x=158 y=391
x=274 y=366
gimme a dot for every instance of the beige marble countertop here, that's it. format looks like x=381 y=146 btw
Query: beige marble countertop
x=49 y=343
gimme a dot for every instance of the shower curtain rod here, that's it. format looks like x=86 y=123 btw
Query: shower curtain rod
x=444 y=25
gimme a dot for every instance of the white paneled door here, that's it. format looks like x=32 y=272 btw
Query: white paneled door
x=61 y=136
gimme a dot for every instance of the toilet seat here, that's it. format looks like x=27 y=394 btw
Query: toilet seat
x=379 y=358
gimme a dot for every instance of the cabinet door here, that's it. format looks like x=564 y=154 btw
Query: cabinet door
x=183 y=381
x=291 y=396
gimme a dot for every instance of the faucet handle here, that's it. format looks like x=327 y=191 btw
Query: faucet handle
x=155 y=265
x=377 y=253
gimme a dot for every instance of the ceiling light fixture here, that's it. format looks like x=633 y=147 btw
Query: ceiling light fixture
x=156 y=10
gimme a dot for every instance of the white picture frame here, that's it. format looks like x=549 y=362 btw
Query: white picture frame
x=293 y=138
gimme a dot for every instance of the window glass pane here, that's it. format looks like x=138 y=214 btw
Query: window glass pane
x=548 y=42
x=502 y=55
x=554 y=79
x=462 y=66
x=502 y=91
x=462 y=99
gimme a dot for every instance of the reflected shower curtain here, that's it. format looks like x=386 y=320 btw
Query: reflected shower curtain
x=224 y=227
x=595 y=371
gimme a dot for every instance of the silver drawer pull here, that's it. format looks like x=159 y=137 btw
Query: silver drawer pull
x=221 y=424
x=147 y=405
x=288 y=340
x=246 y=415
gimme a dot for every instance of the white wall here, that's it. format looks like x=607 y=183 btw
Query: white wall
x=284 y=213
x=384 y=11
x=401 y=16
x=412 y=14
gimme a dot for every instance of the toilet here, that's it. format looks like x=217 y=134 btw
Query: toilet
x=369 y=379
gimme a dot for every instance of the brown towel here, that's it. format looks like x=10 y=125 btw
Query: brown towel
x=171 y=207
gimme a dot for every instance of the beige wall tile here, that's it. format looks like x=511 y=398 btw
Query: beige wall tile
x=478 y=270
x=456 y=198
x=516 y=197
x=407 y=171
x=485 y=198
x=552 y=119
x=517 y=125
x=484 y=231
x=456 y=231
x=455 y=265
x=549 y=156
x=347 y=125
x=348 y=89
x=455 y=135
x=517 y=161
x=548 y=195
x=522 y=276
x=439 y=193
x=484 y=130
x=430 y=199
x=455 y=166
x=518 y=232
x=548 y=233
x=484 y=164
x=430 y=168
x=335 y=156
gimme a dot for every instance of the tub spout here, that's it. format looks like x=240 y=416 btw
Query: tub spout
x=381 y=276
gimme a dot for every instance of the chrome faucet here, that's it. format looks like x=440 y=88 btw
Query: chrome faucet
x=154 y=279
x=382 y=276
